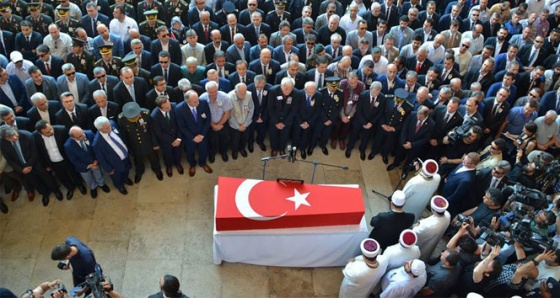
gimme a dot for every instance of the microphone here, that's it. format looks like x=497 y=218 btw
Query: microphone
x=289 y=150
x=294 y=154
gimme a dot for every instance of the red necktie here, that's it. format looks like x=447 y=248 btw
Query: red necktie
x=47 y=66
x=418 y=66
x=232 y=34
x=418 y=125
x=206 y=32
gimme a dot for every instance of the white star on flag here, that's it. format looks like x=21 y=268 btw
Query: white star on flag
x=299 y=199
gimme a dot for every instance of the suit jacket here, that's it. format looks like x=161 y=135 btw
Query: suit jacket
x=300 y=78
x=458 y=186
x=19 y=93
x=488 y=31
x=146 y=57
x=79 y=157
x=56 y=66
x=188 y=126
x=60 y=135
x=442 y=128
x=482 y=181
x=407 y=36
x=34 y=116
x=524 y=55
x=431 y=36
x=472 y=76
x=223 y=85
x=82 y=82
x=368 y=112
x=28 y=150
x=409 y=134
x=491 y=121
x=193 y=14
x=466 y=24
x=549 y=102
x=50 y=89
x=209 y=50
x=423 y=15
x=524 y=84
x=494 y=88
x=310 y=75
x=412 y=62
x=251 y=33
x=374 y=38
x=274 y=67
x=393 y=17
x=452 y=74
x=94 y=85
x=234 y=78
x=113 y=111
x=108 y=159
x=493 y=41
x=199 y=29
x=501 y=62
x=260 y=107
x=226 y=32
x=62 y=117
x=174 y=50
x=445 y=22
x=8 y=38
x=87 y=24
x=280 y=109
x=152 y=95
x=456 y=38
x=122 y=95
x=26 y=48
x=385 y=89
x=300 y=34
x=166 y=132
x=174 y=75
x=353 y=39
x=232 y=54
x=118 y=46
x=278 y=53
x=146 y=41
x=434 y=85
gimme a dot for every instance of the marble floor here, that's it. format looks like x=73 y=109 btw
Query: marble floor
x=166 y=228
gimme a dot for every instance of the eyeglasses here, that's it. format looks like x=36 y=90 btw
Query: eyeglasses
x=163 y=62
x=71 y=74
x=464 y=45
x=101 y=76
x=497 y=171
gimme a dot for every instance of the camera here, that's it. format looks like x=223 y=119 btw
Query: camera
x=529 y=197
x=61 y=265
x=461 y=219
x=462 y=131
x=60 y=287
x=98 y=283
x=522 y=233
x=492 y=237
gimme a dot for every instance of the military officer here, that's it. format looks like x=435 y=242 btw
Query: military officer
x=175 y=8
x=136 y=128
x=111 y=64
x=39 y=20
x=65 y=23
x=9 y=21
x=330 y=108
x=149 y=26
x=390 y=124
x=19 y=7
x=278 y=15
x=351 y=88
x=146 y=5
x=83 y=61
x=132 y=62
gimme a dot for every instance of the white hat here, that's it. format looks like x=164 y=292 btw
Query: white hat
x=398 y=198
x=408 y=238
x=16 y=56
x=370 y=248
x=417 y=267
x=439 y=204
x=429 y=167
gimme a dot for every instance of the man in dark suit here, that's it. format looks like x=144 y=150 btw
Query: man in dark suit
x=164 y=127
x=306 y=117
x=446 y=118
x=292 y=72
x=18 y=99
x=72 y=113
x=102 y=81
x=427 y=32
x=319 y=73
x=204 y=28
x=224 y=85
x=215 y=45
x=259 y=91
x=40 y=83
x=194 y=12
x=78 y=148
x=166 y=68
x=491 y=27
x=242 y=74
x=532 y=55
x=144 y=58
x=93 y=18
x=43 y=109
x=160 y=88
x=71 y=75
x=133 y=33
x=496 y=177
x=239 y=45
x=193 y=121
x=448 y=72
x=50 y=141
x=102 y=107
x=7 y=43
x=458 y=183
x=16 y=122
x=265 y=64
x=258 y=27
x=419 y=63
x=495 y=112
x=550 y=101
x=430 y=80
x=224 y=68
x=283 y=102
x=279 y=53
x=483 y=75
x=391 y=13
x=416 y=132
x=174 y=49
x=111 y=153
x=130 y=88
x=500 y=42
x=27 y=41
x=20 y=151
x=47 y=63
x=527 y=80
x=231 y=28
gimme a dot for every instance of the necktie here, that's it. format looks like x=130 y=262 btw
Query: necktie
x=93 y=26
x=28 y=38
x=103 y=87
x=122 y=148
x=308 y=101
x=3 y=46
x=242 y=79
x=206 y=33
x=165 y=74
x=222 y=72
x=74 y=119
x=472 y=26
x=388 y=12
x=194 y=114
x=418 y=67
x=418 y=125
x=83 y=145
x=494 y=182
x=371 y=103
x=48 y=68
x=232 y=34
x=533 y=55
x=450 y=43
x=335 y=54
x=17 y=148
x=166 y=114
x=495 y=109
x=320 y=81
x=131 y=90
x=257 y=30
x=259 y=96
x=558 y=105
x=446 y=119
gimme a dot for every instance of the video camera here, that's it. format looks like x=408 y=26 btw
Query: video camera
x=462 y=131
x=98 y=283
x=522 y=233
x=529 y=197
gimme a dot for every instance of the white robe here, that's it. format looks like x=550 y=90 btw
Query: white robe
x=359 y=279
x=429 y=232
x=399 y=284
x=419 y=192
x=398 y=255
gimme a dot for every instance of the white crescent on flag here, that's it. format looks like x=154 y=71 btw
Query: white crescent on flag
x=243 y=204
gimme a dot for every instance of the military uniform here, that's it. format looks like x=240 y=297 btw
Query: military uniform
x=40 y=24
x=19 y=7
x=145 y=6
x=84 y=62
x=11 y=24
x=129 y=10
x=112 y=68
x=171 y=10
x=331 y=106
x=131 y=61
x=140 y=140
x=47 y=9
x=68 y=27
x=150 y=31
x=273 y=19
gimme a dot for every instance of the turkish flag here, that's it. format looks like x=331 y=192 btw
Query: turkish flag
x=249 y=204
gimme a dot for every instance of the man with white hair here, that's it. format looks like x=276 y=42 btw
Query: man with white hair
x=220 y=111
x=436 y=50
x=324 y=33
x=430 y=230
x=363 y=272
x=283 y=101
x=463 y=56
x=421 y=187
x=241 y=117
x=307 y=115
x=404 y=281
x=238 y=50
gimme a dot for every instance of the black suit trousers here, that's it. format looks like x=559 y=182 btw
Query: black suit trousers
x=218 y=141
x=260 y=129
x=66 y=174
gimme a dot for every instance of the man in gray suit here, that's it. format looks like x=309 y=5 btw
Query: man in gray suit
x=40 y=83
x=402 y=33
x=355 y=36
x=72 y=81
x=239 y=50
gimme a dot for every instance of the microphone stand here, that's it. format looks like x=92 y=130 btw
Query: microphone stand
x=267 y=158
x=316 y=163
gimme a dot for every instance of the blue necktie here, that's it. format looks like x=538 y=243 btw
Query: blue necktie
x=121 y=147
x=308 y=101
x=17 y=148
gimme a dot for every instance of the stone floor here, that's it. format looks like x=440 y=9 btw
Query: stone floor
x=166 y=228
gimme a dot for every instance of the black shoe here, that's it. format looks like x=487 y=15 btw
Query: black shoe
x=325 y=150
x=233 y=155
x=243 y=152
x=303 y=154
x=69 y=195
x=159 y=175
x=362 y=155
x=3 y=208
x=128 y=182
x=137 y=178
x=348 y=153
x=93 y=193
x=392 y=166
x=262 y=146
x=45 y=200
x=225 y=157
x=211 y=158
x=309 y=151
x=82 y=189
x=59 y=196
x=371 y=156
x=105 y=188
x=251 y=148
x=123 y=191
x=385 y=159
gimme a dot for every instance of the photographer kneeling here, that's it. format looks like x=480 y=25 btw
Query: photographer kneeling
x=483 y=213
x=58 y=290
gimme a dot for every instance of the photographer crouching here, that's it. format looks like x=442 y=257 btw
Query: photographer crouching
x=58 y=290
